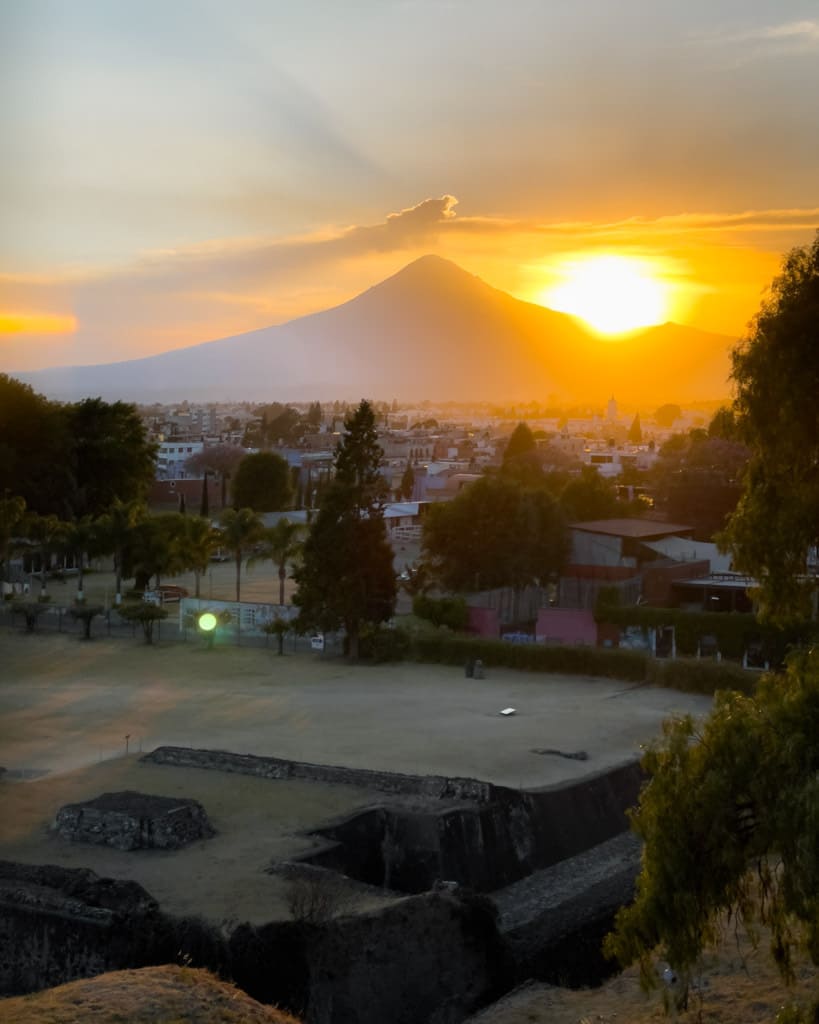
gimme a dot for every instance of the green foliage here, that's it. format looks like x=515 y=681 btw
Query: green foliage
x=451 y=612
x=730 y=826
x=698 y=480
x=694 y=675
x=279 y=544
x=495 y=533
x=12 y=511
x=382 y=644
x=114 y=532
x=31 y=611
x=262 y=483
x=196 y=540
x=147 y=615
x=86 y=613
x=724 y=424
x=667 y=414
x=279 y=628
x=734 y=632
x=71 y=460
x=521 y=443
x=449 y=649
x=635 y=431
x=588 y=497
x=240 y=529
x=36 y=458
x=407 y=485
x=278 y=424
x=155 y=547
x=346 y=576
x=113 y=460
x=776 y=373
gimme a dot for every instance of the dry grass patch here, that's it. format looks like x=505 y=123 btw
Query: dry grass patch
x=152 y=995
x=740 y=985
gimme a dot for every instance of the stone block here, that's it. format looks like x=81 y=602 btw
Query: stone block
x=134 y=821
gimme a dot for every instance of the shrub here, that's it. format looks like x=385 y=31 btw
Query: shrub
x=592 y=661
x=442 y=611
x=384 y=644
x=695 y=676
x=734 y=632
x=317 y=896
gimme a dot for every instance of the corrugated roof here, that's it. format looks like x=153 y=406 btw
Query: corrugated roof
x=639 y=529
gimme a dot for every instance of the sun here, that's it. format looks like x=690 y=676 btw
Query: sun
x=613 y=294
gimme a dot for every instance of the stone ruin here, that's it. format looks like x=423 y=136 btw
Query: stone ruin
x=134 y=821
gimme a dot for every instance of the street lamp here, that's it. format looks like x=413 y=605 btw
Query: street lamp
x=208 y=622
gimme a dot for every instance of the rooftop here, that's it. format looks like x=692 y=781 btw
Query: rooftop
x=639 y=529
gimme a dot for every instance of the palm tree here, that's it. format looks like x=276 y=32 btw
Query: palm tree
x=240 y=529
x=45 y=534
x=279 y=544
x=81 y=537
x=115 y=529
x=198 y=541
x=12 y=511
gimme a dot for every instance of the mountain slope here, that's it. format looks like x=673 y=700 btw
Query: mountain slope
x=430 y=331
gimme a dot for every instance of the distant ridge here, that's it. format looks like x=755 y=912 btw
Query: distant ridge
x=430 y=331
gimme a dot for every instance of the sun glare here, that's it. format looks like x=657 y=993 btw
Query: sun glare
x=613 y=294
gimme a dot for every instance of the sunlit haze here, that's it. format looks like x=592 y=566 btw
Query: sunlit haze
x=611 y=293
x=189 y=171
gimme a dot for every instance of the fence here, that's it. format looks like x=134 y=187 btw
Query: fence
x=182 y=629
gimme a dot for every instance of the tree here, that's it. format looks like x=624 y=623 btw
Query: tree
x=346 y=577
x=521 y=459
x=522 y=442
x=80 y=538
x=724 y=425
x=197 y=542
x=407 y=485
x=667 y=415
x=240 y=529
x=113 y=459
x=262 y=483
x=314 y=416
x=698 y=480
x=219 y=460
x=12 y=512
x=495 y=533
x=155 y=548
x=635 y=431
x=115 y=529
x=776 y=373
x=147 y=615
x=730 y=826
x=279 y=544
x=279 y=628
x=588 y=497
x=86 y=613
x=46 y=534
x=36 y=456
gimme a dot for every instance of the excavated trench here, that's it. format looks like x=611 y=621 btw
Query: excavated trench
x=539 y=877
x=483 y=845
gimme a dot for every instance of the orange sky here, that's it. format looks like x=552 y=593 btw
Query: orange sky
x=185 y=172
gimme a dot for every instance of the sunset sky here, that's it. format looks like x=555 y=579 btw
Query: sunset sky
x=181 y=170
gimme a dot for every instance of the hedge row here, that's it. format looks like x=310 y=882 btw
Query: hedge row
x=690 y=675
x=734 y=632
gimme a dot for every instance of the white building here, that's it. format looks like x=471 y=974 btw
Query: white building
x=172 y=456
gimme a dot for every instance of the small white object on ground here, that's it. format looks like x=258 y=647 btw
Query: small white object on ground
x=508 y=711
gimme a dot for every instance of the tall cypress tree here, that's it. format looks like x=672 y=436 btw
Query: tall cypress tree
x=346 y=578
